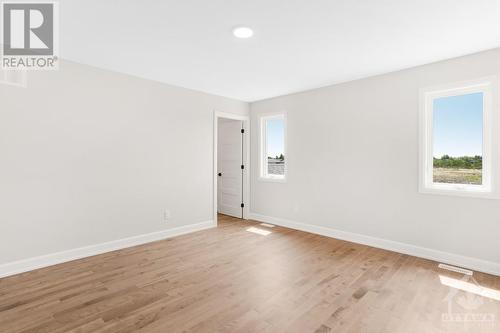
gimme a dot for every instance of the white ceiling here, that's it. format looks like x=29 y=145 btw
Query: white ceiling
x=297 y=45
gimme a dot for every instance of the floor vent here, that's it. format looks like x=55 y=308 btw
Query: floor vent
x=456 y=269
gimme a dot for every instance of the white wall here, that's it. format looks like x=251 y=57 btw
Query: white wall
x=352 y=155
x=89 y=156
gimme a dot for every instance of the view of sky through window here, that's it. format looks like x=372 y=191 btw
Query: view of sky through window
x=275 y=137
x=458 y=125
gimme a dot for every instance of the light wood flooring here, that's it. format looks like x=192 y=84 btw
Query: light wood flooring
x=230 y=279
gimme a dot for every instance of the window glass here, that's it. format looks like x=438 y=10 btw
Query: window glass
x=457 y=139
x=275 y=146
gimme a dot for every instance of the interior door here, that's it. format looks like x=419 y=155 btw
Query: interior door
x=229 y=162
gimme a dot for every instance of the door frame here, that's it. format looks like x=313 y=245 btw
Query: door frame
x=246 y=173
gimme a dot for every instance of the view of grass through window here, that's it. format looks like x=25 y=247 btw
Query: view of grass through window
x=275 y=138
x=458 y=139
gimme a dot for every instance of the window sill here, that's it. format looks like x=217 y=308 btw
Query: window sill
x=460 y=191
x=273 y=179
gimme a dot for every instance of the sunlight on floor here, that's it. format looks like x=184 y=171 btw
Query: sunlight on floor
x=267 y=225
x=470 y=287
x=259 y=231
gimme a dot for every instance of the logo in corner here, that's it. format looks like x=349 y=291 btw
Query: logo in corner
x=30 y=35
x=465 y=299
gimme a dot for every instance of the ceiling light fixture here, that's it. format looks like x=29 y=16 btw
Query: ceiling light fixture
x=242 y=32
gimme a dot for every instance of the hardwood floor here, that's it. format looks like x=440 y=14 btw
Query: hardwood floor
x=230 y=279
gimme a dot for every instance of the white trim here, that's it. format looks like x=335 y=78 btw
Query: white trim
x=263 y=175
x=427 y=96
x=413 y=250
x=246 y=172
x=30 y=264
x=271 y=179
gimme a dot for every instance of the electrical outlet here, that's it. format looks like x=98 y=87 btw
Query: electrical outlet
x=166 y=215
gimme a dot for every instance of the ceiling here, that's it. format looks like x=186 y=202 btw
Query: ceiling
x=297 y=44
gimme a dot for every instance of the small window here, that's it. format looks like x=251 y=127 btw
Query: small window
x=455 y=155
x=273 y=157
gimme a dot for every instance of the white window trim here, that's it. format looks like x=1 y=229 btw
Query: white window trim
x=263 y=175
x=427 y=96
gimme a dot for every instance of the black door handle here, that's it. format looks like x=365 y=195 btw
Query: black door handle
x=220 y=174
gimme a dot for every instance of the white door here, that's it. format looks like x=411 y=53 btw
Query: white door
x=229 y=162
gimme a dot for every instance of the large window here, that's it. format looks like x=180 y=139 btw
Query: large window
x=273 y=156
x=455 y=149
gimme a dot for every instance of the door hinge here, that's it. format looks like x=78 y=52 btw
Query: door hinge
x=242 y=131
x=242 y=167
x=242 y=205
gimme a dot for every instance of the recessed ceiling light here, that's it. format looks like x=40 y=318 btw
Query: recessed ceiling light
x=242 y=32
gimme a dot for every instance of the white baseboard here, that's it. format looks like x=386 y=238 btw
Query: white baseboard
x=30 y=264
x=413 y=250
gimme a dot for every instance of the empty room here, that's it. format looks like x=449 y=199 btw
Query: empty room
x=249 y=166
